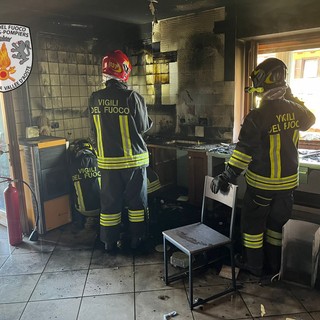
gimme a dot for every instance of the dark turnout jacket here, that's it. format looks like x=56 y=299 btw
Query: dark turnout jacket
x=119 y=119
x=268 y=144
x=85 y=177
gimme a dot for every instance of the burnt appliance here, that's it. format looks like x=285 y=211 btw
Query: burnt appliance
x=45 y=169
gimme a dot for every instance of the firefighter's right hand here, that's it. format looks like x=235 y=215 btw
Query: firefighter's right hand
x=289 y=96
x=220 y=182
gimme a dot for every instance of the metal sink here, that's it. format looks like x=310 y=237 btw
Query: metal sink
x=184 y=142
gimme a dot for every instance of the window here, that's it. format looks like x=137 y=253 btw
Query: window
x=304 y=80
x=310 y=68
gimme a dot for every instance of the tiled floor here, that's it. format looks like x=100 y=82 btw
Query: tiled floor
x=66 y=275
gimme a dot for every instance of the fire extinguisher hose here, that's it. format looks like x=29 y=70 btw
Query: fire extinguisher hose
x=34 y=235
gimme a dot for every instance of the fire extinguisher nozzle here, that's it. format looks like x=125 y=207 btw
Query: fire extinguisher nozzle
x=34 y=235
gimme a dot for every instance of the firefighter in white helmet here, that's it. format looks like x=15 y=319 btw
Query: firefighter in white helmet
x=119 y=118
x=268 y=150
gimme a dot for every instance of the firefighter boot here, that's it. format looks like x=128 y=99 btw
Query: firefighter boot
x=273 y=259
x=242 y=264
x=110 y=247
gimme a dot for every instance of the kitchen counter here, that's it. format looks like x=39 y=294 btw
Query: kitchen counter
x=307 y=158
x=306 y=205
x=213 y=156
x=193 y=145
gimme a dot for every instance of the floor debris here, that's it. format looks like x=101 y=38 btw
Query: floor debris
x=170 y=315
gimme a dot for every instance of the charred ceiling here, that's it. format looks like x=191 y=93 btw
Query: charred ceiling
x=134 y=12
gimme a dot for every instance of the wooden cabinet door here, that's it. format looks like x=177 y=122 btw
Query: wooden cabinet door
x=197 y=169
x=164 y=162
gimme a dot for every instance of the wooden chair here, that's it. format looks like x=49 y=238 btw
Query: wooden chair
x=198 y=238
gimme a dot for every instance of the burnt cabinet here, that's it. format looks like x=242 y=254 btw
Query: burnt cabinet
x=164 y=162
x=44 y=167
x=197 y=170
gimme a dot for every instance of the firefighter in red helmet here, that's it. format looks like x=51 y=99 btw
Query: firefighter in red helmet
x=267 y=149
x=119 y=119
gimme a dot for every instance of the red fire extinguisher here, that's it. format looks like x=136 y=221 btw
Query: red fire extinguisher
x=11 y=197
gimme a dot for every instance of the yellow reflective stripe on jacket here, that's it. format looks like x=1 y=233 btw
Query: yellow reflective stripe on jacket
x=274 y=152
x=239 y=160
x=253 y=241
x=265 y=183
x=274 y=238
x=124 y=162
x=81 y=206
x=97 y=123
x=125 y=135
x=295 y=137
x=110 y=220
x=136 y=215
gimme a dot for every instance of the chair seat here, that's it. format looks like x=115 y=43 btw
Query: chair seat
x=198 y=238
x=195 y=238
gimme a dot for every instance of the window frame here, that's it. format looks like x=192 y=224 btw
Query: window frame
x=273 y=44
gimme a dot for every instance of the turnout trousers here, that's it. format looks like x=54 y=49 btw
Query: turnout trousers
x=121 y=189
x=263 y=215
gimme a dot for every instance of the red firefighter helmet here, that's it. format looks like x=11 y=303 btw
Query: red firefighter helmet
x=116 y=65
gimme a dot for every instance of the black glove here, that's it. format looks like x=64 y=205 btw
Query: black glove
x=221 y=182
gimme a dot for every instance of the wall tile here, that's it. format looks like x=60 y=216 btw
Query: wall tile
x=82 y=80
x=84 y=102
x=52 y=56
x=53 y=68
x=82 y=69
x=65 y=91
x=63 y=69
x=62 y=57
x=43 y=67
x=83 y=91
x=66 y=102
x=57 y=102
x=75 y=102
x=75 y=92
x=67 y=73
x=56 y=91
x=45 y=91
x=81 y=58
x=65 y=80
x=74 y=80
x=54 y=79
x=72 y=69
x=47 y=103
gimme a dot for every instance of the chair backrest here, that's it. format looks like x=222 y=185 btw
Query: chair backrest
x=229 y=199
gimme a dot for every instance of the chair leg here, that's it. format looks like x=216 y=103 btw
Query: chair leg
x=233 y=271
x=190 y=282
x=165 y=259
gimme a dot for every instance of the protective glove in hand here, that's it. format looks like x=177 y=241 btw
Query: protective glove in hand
x=289 y=96
x=221 y=182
